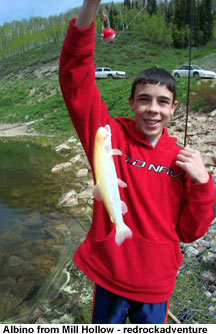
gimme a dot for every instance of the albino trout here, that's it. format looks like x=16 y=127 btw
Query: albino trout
x=106 y=188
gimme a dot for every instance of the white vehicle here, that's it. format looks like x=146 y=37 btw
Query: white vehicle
x=106 y=72
x=195 y=71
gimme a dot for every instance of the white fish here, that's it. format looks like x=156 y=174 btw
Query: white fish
x=107 y=183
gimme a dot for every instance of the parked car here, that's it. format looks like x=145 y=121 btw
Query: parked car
x=195 y=71
x=106 y=72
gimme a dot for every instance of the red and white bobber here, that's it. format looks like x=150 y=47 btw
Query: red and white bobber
x=109 y=35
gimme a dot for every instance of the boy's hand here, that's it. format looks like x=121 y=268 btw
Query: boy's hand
x=191 y=162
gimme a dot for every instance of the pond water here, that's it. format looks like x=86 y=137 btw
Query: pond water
x=37 y=238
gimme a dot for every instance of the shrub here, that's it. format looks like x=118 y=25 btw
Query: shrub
x=204 y=96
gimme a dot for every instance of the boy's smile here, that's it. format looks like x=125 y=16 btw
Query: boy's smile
x=153 y=105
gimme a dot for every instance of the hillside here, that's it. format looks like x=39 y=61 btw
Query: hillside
x=29 y=87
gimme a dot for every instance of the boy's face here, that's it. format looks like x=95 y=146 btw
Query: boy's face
x=153 y=105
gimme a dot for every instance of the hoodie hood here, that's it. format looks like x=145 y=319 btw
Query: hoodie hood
x=130 y=127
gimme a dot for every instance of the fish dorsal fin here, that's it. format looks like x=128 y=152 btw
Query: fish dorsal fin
x=122 y=184
x=97 y=193
x=108 y=129
x=124 y=207
x=116 y=151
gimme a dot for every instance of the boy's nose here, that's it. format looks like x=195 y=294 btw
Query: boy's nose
x=153 y=107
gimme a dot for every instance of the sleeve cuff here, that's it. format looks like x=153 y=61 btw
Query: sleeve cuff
x=200 y=191
x=80 y=40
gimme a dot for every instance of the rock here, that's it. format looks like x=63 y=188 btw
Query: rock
x=63 y=148
x=208 y=276
x=65 y=319
x=212 y=113
x=201 y=119
x=208 y=294
x=72 y=202
x=8 y=305
x=33 y=220
x=9 y=285
x=87 y=193
x=42 y=320
x=191 y=251
x=212 y=309
x=71 y=140
x=75 y=159
x=211 y=258
x=61 y=167
x=82 y=172
x=45 y=71
x=68 y=199
x=62 y=228
x=54 y=68
x=16 y=267
x=210 y=140
x=212 y=288
x=15 y=261
x=214 y=158
x=90 y=183
x=37 y=313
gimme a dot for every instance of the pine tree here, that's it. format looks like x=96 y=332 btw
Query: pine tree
x=169 y=14
x=210 y=19
x=152 y=7
x=127 y=4
x=113 y=16
x=196 y=31
x=206 y=20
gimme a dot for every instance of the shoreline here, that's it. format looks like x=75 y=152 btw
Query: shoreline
x=16 y=129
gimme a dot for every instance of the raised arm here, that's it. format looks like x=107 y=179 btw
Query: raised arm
x=77 y=77
x=87 y=13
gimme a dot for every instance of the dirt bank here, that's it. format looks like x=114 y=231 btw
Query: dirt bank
x=16 y=129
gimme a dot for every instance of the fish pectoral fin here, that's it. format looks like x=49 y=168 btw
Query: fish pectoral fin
x=97 y=193
x=116 y=151
x=124 y=207
x=122 y=184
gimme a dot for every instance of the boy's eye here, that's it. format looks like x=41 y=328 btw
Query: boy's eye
x=144 y=99
x=164 y=101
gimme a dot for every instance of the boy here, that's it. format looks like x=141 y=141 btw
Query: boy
x=170 y=195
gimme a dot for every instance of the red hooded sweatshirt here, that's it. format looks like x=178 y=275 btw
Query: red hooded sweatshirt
x=164 y=206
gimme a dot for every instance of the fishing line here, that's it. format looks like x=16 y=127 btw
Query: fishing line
x=78 y=222
x=128 y=25
x=191 y=4
x=134 y=18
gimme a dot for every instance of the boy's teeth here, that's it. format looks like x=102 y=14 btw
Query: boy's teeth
x=151 y=122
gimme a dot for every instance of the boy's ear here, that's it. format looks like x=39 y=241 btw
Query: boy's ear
x=131 y=102
x=174 y=106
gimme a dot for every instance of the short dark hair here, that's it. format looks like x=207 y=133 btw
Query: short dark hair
x=154 y=76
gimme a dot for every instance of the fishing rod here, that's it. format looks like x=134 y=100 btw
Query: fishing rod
x=191 y=11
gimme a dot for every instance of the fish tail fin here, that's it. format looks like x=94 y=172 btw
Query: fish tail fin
x=122 y=234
